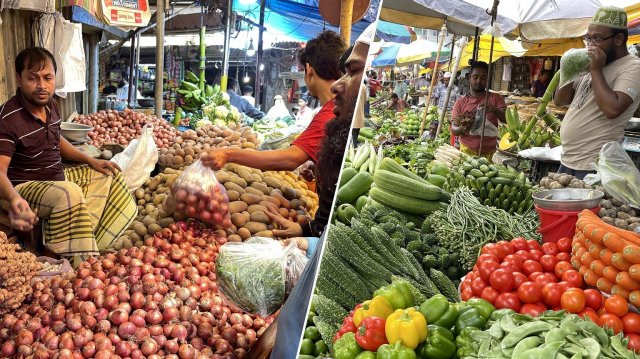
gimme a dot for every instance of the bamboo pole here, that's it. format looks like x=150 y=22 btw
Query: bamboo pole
x=159 y=86
x=434 y=76
x=203 y=50
x=346 y=19
x=494 y=14
x=227 y=44
x=456 y=64
x=256 y=92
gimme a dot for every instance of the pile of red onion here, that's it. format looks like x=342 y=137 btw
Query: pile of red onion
x=157 y=301
x=122 y=127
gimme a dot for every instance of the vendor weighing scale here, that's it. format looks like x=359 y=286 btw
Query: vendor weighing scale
x=631 y=140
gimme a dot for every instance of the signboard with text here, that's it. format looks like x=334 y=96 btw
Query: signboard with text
x=124 y=13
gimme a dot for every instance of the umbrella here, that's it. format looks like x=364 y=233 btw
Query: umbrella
x=418 y=51
x=387 y=57
x=397 y=33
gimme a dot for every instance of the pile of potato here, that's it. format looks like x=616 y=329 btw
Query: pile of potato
x=187 y=147
x=612 y=211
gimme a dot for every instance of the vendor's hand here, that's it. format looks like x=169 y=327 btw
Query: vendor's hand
x=300 y=242
x=21 y=216
x=215 y=159
x=105 y=167
x=287 y=229
x=597 y=58
x=306 y=171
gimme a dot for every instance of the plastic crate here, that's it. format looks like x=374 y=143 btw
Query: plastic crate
x=540 y=169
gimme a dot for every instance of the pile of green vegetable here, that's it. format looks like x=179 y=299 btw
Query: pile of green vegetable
x=494 y=185
x=313 y=345
x=466 y=225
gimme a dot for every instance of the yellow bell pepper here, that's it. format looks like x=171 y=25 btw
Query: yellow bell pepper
x=379 y=306
x=408 y=326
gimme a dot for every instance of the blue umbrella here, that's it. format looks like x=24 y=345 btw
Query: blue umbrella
x=391 y=32
x=387 y=57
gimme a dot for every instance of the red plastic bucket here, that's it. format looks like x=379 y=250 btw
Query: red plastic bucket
x=558 y=224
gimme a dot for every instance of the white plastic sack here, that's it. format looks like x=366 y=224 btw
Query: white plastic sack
x=618 y=174
x=138 y=159
x=44 y=6
x=542 y=153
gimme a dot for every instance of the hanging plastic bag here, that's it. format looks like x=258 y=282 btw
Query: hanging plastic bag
x=257 y=275
x=574 y=62
x=138 y=159
x=619 y=175
x=198 y=194
x=490 y=130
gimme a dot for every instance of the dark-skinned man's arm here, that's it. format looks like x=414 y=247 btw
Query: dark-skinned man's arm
x=17 y=206
x=275 y=160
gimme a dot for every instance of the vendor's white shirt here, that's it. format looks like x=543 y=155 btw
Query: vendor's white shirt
x=123 y=93
x=304 y=117
x=251 y=100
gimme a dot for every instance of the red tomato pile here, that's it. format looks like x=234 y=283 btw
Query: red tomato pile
x=523 y=275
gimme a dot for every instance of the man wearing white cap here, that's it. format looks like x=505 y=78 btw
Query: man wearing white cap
x=603 y=100
x=292 y=318
x=440 y=92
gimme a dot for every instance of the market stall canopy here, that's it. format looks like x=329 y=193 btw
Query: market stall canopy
x=406 y=54
x=298 y=19
x=532 y=20
x=397 y=33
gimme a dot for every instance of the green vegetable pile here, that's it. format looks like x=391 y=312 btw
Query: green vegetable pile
x=313 y=346
x=551 y=335
x=466 y=225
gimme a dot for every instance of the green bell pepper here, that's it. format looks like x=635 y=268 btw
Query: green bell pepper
x=434 y=308
x=345 y=212
x=440 y=344
x=397 y=294
x=466 y=346
x=484 y=308
x=366 y=355
x=346 y=347
x=397 y=351
x=448 y=319
x=469 y=317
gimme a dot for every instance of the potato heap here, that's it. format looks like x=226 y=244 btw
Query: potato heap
x=17 y=268
x=123 y=127
x=187 y=147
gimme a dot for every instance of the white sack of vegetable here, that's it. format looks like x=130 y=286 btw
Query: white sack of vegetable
x=138 y=159
x=573 y=63
x=542 y=153
x=618 y=174
x=257 y=275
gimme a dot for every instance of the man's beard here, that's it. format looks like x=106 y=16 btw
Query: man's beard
x=332 y=149
x=610 y=55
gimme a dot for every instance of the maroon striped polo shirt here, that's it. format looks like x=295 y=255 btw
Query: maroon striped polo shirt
x=34 y=146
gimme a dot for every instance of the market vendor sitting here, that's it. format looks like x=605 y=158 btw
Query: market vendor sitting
x=81 y=210
x=539 y=86
x=320 y=60
x=397 y=104
x=603 y=100
x=467 y=114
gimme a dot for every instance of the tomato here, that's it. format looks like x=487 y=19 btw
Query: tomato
x=591 y=314
x=534 y=245
x=477 y=286
x=572 y=276
x=601 y=311
x=563 y=256
x=551 y=294
x=466 y=283
x=564 y=244
x=486 y=268
x=502 y=280
x=548 y=262
x=505 y=247
x=515 y=259
x=531 y=266
x=573 y=301
x=611 y=321
x=616 y=305
x=552 y=277
x=536 y=254
x=565 y=285
x=634 y=342
x=466 y=294
x=543 y=280
x=519 y=278
x=510 y=266
x=519 y=244
x=561 y=267
x=535 y=275
x=491 y=248
x=524 y=255
x=530 y=292
x=550 y=248
x=595 y=300
x=508 y=300
x=533 y=309
x=489 y=294
x=475 y=268
x=488 y=257
x=631 y=323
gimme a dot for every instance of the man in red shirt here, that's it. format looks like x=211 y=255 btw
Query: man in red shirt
x=470 y=104
x=320 y=59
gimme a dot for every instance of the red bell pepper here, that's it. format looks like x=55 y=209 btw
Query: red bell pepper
x=371 y=334
x=347 y=324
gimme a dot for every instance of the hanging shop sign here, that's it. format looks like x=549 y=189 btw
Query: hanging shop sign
x=124 y=13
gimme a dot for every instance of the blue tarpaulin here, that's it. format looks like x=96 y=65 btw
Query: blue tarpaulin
x=391 y=32
x=387 y=58
x=299 y=19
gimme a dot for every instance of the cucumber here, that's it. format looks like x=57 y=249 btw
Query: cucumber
x=501 y=180
x=436 y=180
x=355 y=188
x=409 y=187
x=404 y=203
x=347 y=175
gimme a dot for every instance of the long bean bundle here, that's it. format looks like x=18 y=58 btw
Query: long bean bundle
x=466 y=225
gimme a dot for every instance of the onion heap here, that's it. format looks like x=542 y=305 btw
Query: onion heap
x=190 y=144
x=16 y=271
x=160 y=300
x=122 y=127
